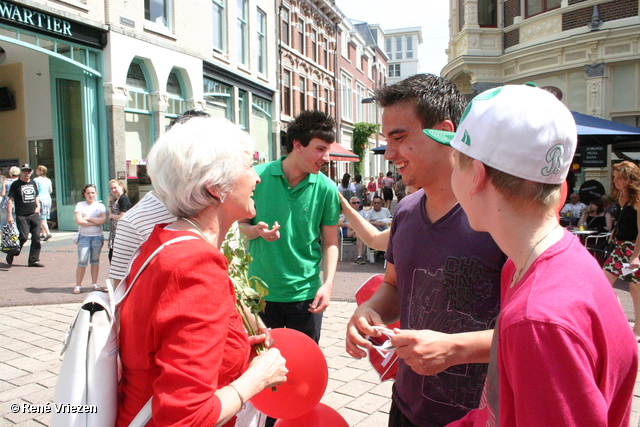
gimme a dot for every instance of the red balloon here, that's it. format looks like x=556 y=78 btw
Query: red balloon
x=306 y=381
x=320 y=416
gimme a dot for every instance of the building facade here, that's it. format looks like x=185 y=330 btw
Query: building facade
x=307 y=58
x=401 y=46
x=588 y=49
x=95 y=83
x=362 y=69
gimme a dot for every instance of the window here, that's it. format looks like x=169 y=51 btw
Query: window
x=535 y=7
x=327 y=98
x=286 y=31
x=243 y=110
x=314 y=45
x=347 y=98
x=243 y=39
x=303 y=93
x=388 y=49
x=262 y=42
x=326 y=54
x=286 y=92
x=394 y=70
x=409 y=47
x=138 y=126
x=218 y=97
x=176 y=103
x=219 y=26
x=301 y=43
x=487 y=13
x=399 y=47
x=261 y=124
x=316 y=96
x=158 y=11
x=360 y=107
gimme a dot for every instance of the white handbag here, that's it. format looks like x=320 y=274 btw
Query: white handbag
x=89 y=371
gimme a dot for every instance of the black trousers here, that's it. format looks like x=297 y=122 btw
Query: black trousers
x=293 y=315
x=30 y=224
x=397 y=418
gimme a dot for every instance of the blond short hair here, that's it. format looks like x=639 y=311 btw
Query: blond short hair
x=522 y=193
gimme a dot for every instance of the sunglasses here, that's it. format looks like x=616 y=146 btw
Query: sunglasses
x=355 y=203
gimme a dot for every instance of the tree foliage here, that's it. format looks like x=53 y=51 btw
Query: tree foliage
x=361 y=133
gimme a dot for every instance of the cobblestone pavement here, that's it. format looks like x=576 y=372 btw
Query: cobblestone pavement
x=30 y=343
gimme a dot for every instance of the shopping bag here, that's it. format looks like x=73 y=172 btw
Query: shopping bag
x=10 y=239
x=384 y=363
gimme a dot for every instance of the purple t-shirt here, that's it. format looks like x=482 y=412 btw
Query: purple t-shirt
x=448 y=281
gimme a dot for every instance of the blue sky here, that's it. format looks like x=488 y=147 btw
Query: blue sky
x=431 y=15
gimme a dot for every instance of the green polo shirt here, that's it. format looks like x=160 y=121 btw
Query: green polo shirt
x=290 y=266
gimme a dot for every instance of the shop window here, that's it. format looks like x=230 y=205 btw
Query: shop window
x=158 y=12
x=261 y=126
x=219 y=99
x=534 y=7
x=219 y=25
x=243 y=104
x=176 y=103
x=138 y=128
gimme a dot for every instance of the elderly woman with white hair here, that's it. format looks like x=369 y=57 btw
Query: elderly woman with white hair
x=182 y=342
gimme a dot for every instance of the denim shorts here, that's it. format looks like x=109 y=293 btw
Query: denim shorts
x=45 y=209
x=89 y=245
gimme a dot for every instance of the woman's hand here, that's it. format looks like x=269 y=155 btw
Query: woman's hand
x=269 y=368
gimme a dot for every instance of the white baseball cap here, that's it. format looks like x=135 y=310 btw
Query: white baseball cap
x=517 y=129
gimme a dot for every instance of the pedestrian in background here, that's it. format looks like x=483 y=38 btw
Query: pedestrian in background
x=119 y=203
x=14 y=173
x=45 y=188
x=90 y=215
x=23 y=197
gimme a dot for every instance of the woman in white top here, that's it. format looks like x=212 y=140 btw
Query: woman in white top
x=90 y=215
x=45 y=188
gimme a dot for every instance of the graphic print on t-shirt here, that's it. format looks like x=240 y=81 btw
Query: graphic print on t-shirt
x=445 y=301
x=28 y=193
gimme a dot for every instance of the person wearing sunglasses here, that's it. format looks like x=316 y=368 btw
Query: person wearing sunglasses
x=348 y=231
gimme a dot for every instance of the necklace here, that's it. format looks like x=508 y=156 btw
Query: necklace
x=526 y=260
x=197 y=228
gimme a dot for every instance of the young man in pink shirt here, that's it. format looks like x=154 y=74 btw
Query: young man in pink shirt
x=563 y=353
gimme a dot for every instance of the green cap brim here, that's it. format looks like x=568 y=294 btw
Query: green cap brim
x=442 y=136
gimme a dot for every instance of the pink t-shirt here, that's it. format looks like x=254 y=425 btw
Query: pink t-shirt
x=566 y=355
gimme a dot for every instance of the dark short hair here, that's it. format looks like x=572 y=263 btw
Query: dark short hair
x=376 y=197
x=436 y=99
x=186 y=116
x=309 y=125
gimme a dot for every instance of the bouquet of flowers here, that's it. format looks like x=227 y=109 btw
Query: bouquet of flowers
x=250 y=291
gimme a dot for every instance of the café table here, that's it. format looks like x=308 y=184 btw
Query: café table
x=582 y=234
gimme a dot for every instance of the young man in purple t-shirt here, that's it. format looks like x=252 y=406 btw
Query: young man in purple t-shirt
x=442 y=279
x=564 y=354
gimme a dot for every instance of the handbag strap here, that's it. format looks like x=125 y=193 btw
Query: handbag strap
x=143 y=417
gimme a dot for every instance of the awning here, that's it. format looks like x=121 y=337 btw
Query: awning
x=379 y=150
x=340 y=154
x=594 y=130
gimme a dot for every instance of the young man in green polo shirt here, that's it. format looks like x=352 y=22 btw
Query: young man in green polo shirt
x=302 y=208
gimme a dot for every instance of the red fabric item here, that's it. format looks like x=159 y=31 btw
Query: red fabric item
x=386 y=369
x=181 y=337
